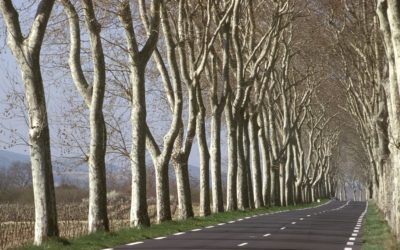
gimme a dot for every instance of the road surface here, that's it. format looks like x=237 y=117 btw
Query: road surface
x=335 y=225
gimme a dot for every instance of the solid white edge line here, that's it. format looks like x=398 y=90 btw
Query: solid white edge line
x=180 y=233
x=210 y=227
x=160 y=238
x=196 y=230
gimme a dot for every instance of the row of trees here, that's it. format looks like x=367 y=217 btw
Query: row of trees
x=231 y=59
x=368 y=44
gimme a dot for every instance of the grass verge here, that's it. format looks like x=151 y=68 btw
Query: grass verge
x=103 y=240
x=376 y=232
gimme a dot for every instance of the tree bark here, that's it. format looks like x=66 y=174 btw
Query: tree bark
x=27 y=53
x=255 y=161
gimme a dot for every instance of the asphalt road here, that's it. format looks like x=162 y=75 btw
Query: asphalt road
x=336 y=225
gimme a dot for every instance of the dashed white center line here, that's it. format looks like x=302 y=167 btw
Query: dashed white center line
x=134 y=243
x=160 y=238
x=308 y=215
x=180 y=233
x=293 y=222
x=350 y=243
x=283 y=228
x=196 y=230
x=348 y=248
x=301 y=218
x=352 y=238
x=356 y=231
x=266 y=235
x=242 y=244
x=354 y=235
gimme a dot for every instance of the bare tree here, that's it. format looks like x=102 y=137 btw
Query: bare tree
x=138 y=60
x=26 y=50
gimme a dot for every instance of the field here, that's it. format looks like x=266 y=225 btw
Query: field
x=17 y=221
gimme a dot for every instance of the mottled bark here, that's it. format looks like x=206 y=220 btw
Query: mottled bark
x=138 y=60
x=27 y=53
x=231 y=199
x=255 y=161
x=93 y=96
x=242 y=173
x=205 y=208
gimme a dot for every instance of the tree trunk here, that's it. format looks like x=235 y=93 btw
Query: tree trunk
x=204 y=159
x=242 y=185
x=40 y=155
x=255 y=161
x=246 y=146
x=231 y=203
x=139 y=214
x=162 y=192
x=215 y=151
x=183 y=188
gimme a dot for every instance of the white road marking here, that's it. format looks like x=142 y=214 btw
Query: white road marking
x=247 y=217
x=240 y=219
x=352 y=238
x=196 y=230
x=231 y=222
x=160 y=238
x=301 y=218
x=180 y=233
x=354 y=235
x=210 y=227
x=356 y=231
x=293 y=222
x=108 y=249
x=221 y=224
x=243 y=244
x=283 y=228
x=308 y=215
x=350 y=243
x=266 y=235
x=348 y=248
x=357 y=228
x=134 y=243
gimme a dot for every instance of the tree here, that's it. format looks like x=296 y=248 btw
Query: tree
x=138 y=60
x=26 y=50
x=93 y=95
